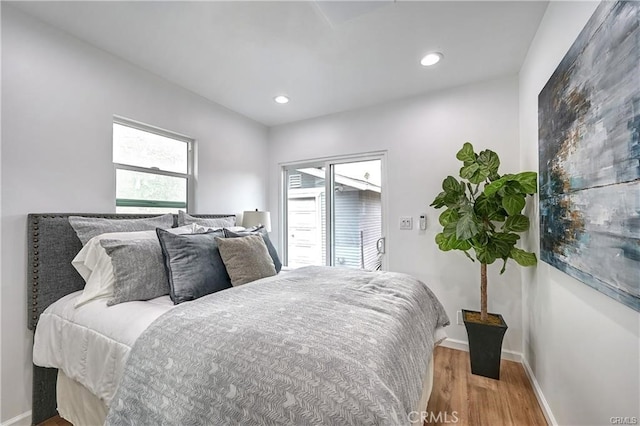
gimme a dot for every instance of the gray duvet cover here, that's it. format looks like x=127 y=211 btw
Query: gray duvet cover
x=317 y=345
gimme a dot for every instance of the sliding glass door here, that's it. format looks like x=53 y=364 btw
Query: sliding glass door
x=333 y=213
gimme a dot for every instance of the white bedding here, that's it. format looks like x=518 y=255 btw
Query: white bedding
x=91 y=343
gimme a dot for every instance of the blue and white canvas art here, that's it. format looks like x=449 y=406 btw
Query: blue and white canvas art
x=589 y=143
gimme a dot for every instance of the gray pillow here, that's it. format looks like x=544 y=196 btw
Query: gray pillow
x=259 y=231
x=246 y=259
x=221 y=222
x=193 y=264
x=88 y=227
x=138 y=269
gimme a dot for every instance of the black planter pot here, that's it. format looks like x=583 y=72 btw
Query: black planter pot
x=485 y=346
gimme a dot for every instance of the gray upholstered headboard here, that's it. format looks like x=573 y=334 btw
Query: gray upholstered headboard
x=52 y=244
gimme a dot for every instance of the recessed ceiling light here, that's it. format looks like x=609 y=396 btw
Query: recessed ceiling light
x=431 y=59
x=281 y=99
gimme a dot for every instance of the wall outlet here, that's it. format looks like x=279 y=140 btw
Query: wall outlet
x=459 y=318
x=406 y=222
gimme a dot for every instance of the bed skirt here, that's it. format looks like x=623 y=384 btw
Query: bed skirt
x=77 y=404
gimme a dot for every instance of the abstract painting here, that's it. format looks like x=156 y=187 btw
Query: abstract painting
x=589 y=162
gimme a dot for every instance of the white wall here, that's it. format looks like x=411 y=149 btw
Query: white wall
x=58 y=98
x=0 y=225
x=582 y=346
x=421 y=136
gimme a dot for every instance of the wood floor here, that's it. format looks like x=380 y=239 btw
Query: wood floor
x=478 y=401
x=55 y=421
x=463 y=399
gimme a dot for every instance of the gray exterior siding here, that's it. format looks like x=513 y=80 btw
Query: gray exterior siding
x=357 y=223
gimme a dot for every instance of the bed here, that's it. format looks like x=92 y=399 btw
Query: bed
x=277 y=357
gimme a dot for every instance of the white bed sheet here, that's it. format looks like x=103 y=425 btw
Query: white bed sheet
x=90 y=344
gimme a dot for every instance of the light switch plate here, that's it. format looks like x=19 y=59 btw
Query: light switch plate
x=406 y=223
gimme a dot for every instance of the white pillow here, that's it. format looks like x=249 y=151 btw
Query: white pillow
x=219 y=222
x=94 y=264
x=199 y=229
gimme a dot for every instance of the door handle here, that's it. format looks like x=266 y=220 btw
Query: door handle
x=380 y=245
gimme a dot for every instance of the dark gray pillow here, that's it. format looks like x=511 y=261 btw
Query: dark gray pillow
x=138 y=270
x=193 y=264
x=246 y=259
x=258 y=231
x=88 y=227
x=221 y=222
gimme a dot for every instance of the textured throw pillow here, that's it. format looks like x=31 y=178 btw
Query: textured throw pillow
x=193 y=265
x=89 y=227
x=262 y=232
x=95 y=267
x=138 y=269
x=222 y=222
x=246 y=258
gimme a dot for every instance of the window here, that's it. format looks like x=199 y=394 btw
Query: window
x=333 y=212
x=153 y=168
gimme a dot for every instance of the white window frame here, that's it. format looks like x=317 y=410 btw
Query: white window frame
x=328 y=163
x=188 y=176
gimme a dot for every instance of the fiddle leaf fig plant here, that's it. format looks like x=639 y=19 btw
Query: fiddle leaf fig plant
x=483 y=213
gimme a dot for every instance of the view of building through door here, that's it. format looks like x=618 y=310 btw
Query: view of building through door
x=342 y=229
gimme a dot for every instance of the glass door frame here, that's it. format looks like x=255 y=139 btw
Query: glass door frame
x=328 y=163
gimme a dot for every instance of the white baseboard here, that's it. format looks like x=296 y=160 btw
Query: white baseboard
x=461 y=345
x=546 y=409
x=23 y=419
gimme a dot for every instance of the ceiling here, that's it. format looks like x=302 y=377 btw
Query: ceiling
x=326 y=56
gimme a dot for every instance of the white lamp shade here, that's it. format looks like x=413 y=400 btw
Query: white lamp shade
x=256 y=218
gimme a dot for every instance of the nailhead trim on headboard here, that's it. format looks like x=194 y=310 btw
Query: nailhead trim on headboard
x=52 y=242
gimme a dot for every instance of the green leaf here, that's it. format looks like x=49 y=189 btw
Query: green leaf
x=466 y=227
x=512 y=187
x=513 y=203
x=528 y=181
x=495 y=186
x=480 y=240
x=443 y=242
x=498 y=215
x=485 y=206
x=468 y=171
x=466 y=209
x=479 y=176
x=463 y=245
x=516 y=223
x=485 y=256
x=501 y=247
x=489 y=160
x=506 y=236
x=448 y=216
x=450 y=229
x=439 y=201
x=466 y=154
x=524 y=258
x=453 y=199
x=451 y=243
x=451 y=185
